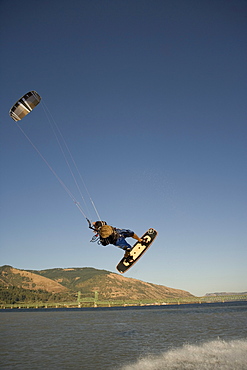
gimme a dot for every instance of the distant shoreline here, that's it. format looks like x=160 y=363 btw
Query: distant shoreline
x=8 y=308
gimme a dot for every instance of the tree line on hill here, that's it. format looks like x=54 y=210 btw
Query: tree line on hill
x=13 y=294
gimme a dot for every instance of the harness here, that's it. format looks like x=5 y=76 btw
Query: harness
x=110 y=239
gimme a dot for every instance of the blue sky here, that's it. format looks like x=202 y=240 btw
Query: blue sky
x=151 y=98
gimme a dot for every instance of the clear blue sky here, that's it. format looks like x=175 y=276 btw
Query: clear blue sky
x=151 y=98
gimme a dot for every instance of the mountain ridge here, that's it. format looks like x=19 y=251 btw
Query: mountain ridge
x=28 y=280
x=87 y=280
x=219 y=294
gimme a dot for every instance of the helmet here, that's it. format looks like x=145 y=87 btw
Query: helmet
x=99 y=224
x=105 y=231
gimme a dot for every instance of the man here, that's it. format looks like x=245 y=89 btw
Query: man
x=111 y=235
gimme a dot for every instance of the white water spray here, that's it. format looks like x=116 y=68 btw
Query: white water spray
x=218 y=354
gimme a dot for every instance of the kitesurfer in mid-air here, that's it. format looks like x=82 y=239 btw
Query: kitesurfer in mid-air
x=111 y=235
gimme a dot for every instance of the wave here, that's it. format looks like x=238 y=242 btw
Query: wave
x=218 y=354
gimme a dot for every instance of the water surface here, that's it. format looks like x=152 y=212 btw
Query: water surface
x=206 y=336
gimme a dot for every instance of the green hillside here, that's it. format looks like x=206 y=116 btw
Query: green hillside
x=14 y=295
x=72 y=278
x=86 y=286
x=64 y=284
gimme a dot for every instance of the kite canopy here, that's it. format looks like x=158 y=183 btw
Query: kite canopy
x=24 y=105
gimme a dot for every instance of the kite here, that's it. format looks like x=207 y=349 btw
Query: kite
x=24 y=105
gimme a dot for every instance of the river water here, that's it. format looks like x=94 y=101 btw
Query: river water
x=206 y=336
